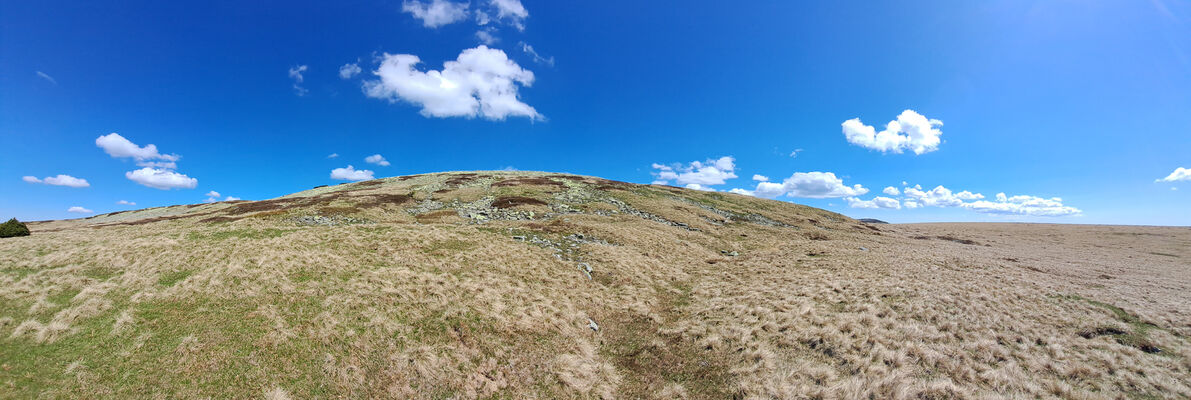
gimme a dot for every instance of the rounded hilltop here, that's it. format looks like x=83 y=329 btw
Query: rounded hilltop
x=496 y=284
x=478 y=197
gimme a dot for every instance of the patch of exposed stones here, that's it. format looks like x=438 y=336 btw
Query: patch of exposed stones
x=319 y=220
x=729 y=216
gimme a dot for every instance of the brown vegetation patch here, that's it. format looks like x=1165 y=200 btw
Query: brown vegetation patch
x=344 y=210
x=387 y=199
x=370 y=183
x=408 y=177
x=219 y=219
x=256 y=206
x=529 y=181
x=461 y=179
x=513 y=201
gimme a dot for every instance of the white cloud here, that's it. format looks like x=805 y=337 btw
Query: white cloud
x=119 y=147
x=511 y=11
x=940 y=196
x=161 y=179
x=295 y=73
x=347 y=71
x=1023 y=205
x=60 y=180
x=333 y=155
x=482 y=18
x=154 y=174
x=213 y=196
x=794 y=154
x=1179 y=174
x=487 y=36
x=710 y=172
x=910 y=131
x=817 y=185
x=525 y=47
x=697 y=186
x=480 y=82
x=437 y=13
x=351 y=174
x=126 y=203
x=741 y=191
x=80 y=210
x=760 y=178
x=47 y=77
x=377 y=159
x=876 y=202
x=892 y=191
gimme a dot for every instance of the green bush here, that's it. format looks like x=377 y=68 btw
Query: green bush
x=13 y=228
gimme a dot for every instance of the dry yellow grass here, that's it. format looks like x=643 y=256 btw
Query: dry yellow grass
x=414 y=287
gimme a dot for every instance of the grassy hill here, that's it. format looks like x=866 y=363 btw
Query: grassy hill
x=539 y=285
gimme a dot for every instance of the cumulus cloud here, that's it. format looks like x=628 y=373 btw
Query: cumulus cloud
x=910 y=131
x=697 y=186
x=295 y=73
x=377 y=159
x=511 y=11
x=163 y=179
x=351 y=174
x=760 y=178
x=47 y=77
x=525 y=47
x=436 y=13
x=876 y=202
x=119 y=147
x=892 y=191
x=80 y=210
x=480 y=82
x=333 y=155
x=157 y=169
x=939 y=196
x=745 y=192
x=1023 y=205
x=702 y=173
x=126 y=203
x=347 y=71
x=816 y=185
x=1179 y=174
x=60 y=180
x=213 y=196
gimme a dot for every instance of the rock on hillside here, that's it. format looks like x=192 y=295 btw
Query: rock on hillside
x=542 y=285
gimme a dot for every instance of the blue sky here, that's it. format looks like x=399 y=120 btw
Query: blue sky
x=1075 y=112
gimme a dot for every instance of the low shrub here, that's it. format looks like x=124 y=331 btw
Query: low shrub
x=13 y=228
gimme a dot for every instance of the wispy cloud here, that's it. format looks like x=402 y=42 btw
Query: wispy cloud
x=47 y=77
x=295 y=73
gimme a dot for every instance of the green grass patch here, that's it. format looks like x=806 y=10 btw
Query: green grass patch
x=239 y=234
x=173 y=277
x=101 y=274
x=444 y=247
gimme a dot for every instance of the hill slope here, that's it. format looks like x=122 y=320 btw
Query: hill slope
x=538 y=285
